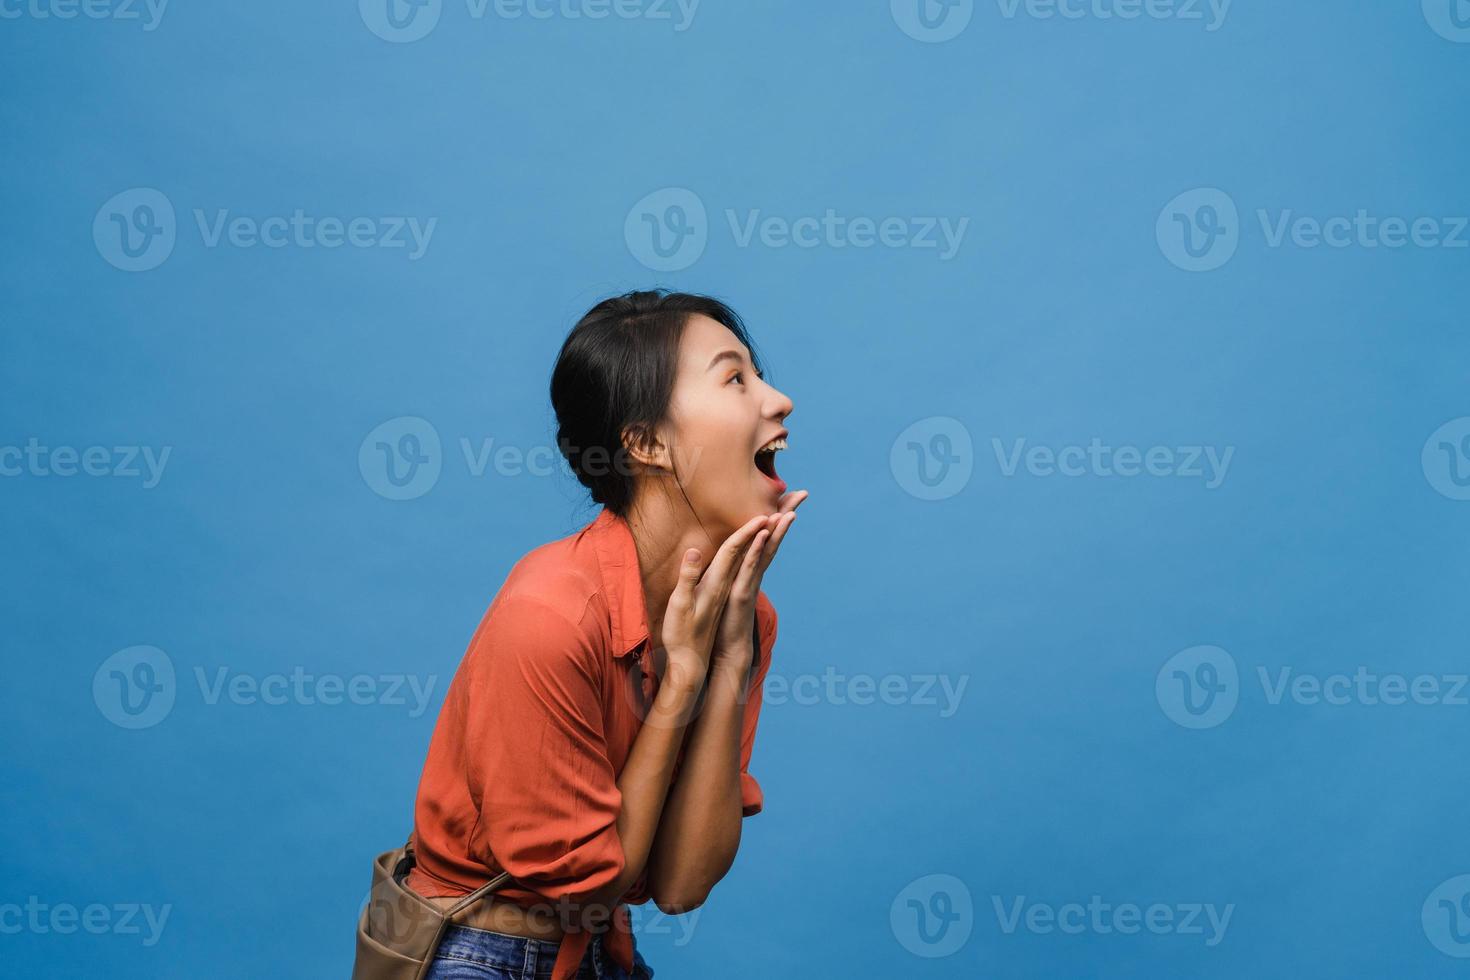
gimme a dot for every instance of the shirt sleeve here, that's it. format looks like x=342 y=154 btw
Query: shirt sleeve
x=549 y=814
x=752 y=799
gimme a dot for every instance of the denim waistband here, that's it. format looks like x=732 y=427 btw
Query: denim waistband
x=521 y=955
x=532 y=959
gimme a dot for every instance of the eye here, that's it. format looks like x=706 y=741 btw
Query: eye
x=738 y=376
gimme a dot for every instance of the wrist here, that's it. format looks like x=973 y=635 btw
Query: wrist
x=675 y=703
x=734 y=651
x=683 y=673
x=735 y=639
x=733 y=671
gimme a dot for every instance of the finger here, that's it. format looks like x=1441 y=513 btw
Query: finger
x=721 y=571
x=731 y=551
x=773 y=523
x=746 y=578
x=793 y=500
x=688 y=577
x=777 y=536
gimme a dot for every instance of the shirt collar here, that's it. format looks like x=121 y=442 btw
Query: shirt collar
x=617 y=561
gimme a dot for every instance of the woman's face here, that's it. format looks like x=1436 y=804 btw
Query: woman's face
x=720 y=416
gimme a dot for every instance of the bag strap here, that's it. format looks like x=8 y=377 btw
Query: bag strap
x=493 y=885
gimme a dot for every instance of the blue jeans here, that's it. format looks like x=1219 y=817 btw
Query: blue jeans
x=466 y=953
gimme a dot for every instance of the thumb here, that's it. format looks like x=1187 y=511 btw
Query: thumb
x=688 y=574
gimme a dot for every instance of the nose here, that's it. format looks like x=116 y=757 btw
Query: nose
x=778 y=406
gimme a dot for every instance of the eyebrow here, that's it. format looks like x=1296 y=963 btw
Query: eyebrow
x=733 y=355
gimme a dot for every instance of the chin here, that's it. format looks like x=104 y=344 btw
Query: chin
x=765 y=500
x=729 y=515
x=733 y=516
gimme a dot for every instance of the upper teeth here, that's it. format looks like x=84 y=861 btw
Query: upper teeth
x=777 y=443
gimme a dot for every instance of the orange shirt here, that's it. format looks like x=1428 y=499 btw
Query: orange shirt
x=536 y=727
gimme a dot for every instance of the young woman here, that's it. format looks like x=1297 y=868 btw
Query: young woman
x=596 y=739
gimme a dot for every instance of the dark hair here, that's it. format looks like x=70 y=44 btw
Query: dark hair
x=615 y=374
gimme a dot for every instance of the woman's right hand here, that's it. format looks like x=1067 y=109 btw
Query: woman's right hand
x=693 y=614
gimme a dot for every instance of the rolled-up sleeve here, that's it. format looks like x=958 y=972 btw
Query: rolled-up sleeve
x=549 y=814
x=752 y=798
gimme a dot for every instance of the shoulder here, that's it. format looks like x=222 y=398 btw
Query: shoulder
x=550 y=611
x=561 y=575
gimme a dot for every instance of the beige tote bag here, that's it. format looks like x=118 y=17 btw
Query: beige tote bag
x=399 y=932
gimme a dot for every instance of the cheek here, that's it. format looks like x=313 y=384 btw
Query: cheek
x=713 y=446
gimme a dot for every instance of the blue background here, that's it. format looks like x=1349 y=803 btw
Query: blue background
x=1062 y=318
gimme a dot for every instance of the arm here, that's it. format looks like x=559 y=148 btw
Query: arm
x=717 y=734
x=551 y=811
x=643 y=786
x=700 y=831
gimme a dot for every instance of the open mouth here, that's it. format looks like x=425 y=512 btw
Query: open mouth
x=765 y=458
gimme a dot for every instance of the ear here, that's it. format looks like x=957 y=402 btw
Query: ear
x=645 y=447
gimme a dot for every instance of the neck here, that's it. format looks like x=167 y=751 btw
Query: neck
x=663 y=529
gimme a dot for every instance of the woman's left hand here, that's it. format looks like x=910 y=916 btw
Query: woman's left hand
x=734 y=645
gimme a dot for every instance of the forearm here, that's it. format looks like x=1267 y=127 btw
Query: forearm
x=699 y=834
x=644 y=786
